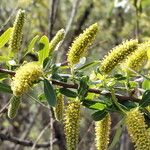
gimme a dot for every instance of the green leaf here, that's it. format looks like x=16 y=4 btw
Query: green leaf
x=98 y=106
x=47 y=63
x=88 y=103
x=49 y=93
x=145 y=99
x=91 y=64
x=83 y=87
x=119 y=77
x=32 y=43
x=5 y=37
x=129 y=105
x=99 y=115
x=41 y=97
x=5 y=88
x=68 y=92
x=43 y=49
x=3 y=76
x=116 y=138
x=91 y=104
x=4 y=58
x=146 y=84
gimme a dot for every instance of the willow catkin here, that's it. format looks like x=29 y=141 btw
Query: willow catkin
x=16 y=36
x=13 y=106
x=59 y=108
x=102 y=131
x=25 y=76
x=117 y=55
x=138 y=58
x=79 y=46
x=71 y=124
x=57 y=38
x=137 y=129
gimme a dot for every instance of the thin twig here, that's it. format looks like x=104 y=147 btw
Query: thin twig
x=4 y=109
x=51 y=18
x=120 y=98
x=72 y=15
x=12 y=73
x=71 y=18
x=9 y=18
x=29 y=127
x=4 y=137
x=37 y=101
x=51 y=128
x=39 y=136
x=83 y=137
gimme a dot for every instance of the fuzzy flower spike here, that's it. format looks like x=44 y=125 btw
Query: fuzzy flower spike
x=71 y=124
x=24 y=78
x=102 y=131
x=138 y=58
x=117 y=55
x=137 y=129
x=55 y=41
x=59 y=108
x=79 y=47
x=16 y=36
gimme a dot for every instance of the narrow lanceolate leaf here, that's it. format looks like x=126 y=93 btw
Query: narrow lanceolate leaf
x=146 y=84
x=99 y=115
x=32 y=43
x=5 y=37
x=119 y=129
x=89 y=65
x=68 y=92
x=145 y=99
x=49 y=93
x=43 y=49
x=5 y=88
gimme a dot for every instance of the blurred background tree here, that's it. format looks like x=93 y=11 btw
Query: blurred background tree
x=118 y=20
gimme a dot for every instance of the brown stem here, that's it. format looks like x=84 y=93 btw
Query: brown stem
x=120 y=98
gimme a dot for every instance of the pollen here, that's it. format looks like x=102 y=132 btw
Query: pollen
x=117 y=55
x=71 y=124
x=137 y=129
x=24 y=78
x=80 y=45
x=16 y=36
x=102 y=131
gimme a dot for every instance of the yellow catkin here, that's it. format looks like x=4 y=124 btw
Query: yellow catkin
x=13 y=106
x=16 y=36
x=117 y=55
x=59 y=108
x=25 y=76
x=71 y=124
x=102 y=131
x=79 y=47
x=57 y=38
x=137 y=129
x=138 y=58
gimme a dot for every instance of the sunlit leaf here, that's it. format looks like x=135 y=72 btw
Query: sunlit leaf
x=146 y=84
x=43 y=51
x=32 y=43
x=4 y=38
